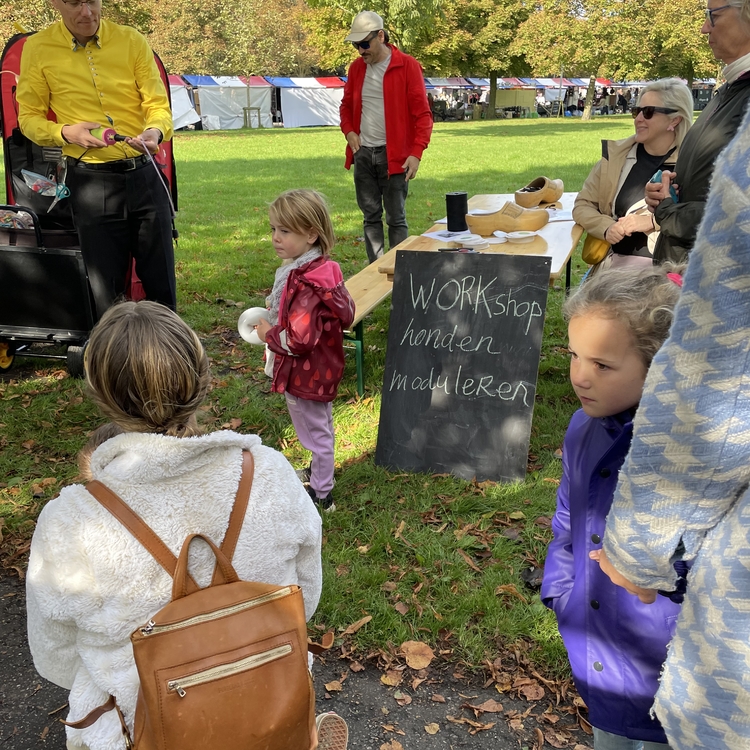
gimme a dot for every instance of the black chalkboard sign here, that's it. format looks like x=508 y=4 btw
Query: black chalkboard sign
x=462 y=361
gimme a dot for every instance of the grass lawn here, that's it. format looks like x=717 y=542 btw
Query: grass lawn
x=428 y=558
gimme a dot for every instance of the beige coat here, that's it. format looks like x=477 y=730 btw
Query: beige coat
x=594 y=206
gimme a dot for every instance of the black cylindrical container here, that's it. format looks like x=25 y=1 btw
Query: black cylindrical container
x=456 y=206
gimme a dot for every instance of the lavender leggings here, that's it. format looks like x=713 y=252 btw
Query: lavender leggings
x=313 y=423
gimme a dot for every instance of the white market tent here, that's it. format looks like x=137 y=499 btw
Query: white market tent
x=223 y=101
x=309 y=101
x=183 y=112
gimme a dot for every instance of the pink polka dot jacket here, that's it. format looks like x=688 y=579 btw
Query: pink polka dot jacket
x=308 y=341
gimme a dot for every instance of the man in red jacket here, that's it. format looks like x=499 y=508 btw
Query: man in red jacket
x=387 y=122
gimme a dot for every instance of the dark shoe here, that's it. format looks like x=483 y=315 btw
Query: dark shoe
x=325 y=504
x=304 y=474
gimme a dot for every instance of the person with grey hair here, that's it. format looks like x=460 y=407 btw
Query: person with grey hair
x=727 y=26
x=387 y=122
x=611 y=203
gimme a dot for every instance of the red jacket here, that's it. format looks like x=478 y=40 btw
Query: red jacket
x=408 y=119
x=315 y=309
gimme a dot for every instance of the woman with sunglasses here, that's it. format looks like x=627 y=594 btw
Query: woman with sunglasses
x=727 y=27
x=611 y=203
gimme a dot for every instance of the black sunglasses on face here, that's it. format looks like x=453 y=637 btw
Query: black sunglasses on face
x=648 y=112
x=365 y=43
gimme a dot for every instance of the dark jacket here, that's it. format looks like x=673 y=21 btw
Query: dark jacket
x=408 y=118
x=309 y=339
x=709 y=135
x=616 y=644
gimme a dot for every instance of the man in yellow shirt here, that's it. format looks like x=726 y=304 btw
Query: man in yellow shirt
x=91 y=73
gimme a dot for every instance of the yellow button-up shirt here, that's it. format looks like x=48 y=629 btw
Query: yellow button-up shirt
x=113 y=80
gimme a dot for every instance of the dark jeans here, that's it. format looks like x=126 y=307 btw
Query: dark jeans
x=119 y=216
x=377 y=190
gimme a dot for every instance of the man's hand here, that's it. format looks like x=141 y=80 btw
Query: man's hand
x=80 y=135
x=656 y=192
x=636 y=223
x=647 y=596
x=147 y=141
x=410 y=167
x=352 y=139
x=263 y=328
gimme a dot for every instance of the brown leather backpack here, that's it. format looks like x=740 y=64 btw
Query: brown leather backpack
x=220 y=667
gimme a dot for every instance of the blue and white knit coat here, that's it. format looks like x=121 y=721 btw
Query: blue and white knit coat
x=687 y=475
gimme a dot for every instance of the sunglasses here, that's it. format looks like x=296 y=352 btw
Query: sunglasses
x=648 y=112
x=710 y=13
x=365 y=43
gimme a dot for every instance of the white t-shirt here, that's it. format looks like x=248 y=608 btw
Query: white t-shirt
x=372 y=126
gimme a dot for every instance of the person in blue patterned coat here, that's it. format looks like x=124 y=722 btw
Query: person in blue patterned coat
x=683 y=492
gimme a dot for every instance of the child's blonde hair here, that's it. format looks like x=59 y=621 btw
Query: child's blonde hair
x=146 y=369
x=642 y=299
x=303 y=211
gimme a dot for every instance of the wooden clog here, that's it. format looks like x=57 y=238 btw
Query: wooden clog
x=510 y=218
x=540 y=190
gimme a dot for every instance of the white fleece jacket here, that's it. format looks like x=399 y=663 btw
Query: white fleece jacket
x=90 y=584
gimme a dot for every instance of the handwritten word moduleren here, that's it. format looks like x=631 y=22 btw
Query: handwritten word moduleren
x=477 y=297
x=476 y=386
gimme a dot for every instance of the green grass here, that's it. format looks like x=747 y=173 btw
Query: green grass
x=395 y=540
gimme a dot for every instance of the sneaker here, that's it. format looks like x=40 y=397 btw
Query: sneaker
x=304 y=474
x=326 y=504
x=333 y=734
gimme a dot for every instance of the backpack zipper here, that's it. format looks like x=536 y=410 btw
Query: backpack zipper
x=180 y=685
x=151 y=627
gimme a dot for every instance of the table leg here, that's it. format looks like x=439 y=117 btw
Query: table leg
x=357 y=339
x=567 y=275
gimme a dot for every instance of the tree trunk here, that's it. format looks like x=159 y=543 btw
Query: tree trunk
x=589 y=103
x=493 y=96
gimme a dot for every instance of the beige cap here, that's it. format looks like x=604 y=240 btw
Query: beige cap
x=363 y=25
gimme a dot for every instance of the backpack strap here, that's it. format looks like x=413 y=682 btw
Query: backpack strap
x=138 y=528
x=239 y=509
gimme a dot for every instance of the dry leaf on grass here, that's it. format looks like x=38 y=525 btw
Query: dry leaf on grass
x=353 y=628
x=418 y=655
x=508 y=589
x=392 y=678
x=402 y=608
x=432 y=728
x=469 y=561
x=363 y=549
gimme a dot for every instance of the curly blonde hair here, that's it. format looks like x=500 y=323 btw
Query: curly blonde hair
x=302 y=211
x=642 y=299
x=146 y=370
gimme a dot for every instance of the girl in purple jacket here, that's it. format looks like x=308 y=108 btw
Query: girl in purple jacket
x=309 y=309
x=616 y=644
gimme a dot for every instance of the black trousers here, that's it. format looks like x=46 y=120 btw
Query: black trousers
x=119 y=215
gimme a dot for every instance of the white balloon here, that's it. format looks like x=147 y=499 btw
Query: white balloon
x=247 y=322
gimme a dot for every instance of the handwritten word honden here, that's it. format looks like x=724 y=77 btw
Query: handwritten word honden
x=478 y=387
x=438 y=339
x=472 y=294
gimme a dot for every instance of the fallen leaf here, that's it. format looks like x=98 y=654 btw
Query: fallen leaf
x=364 y=549
x=489 y=706
x=44 y=733
x=392 y=745
x=355 y=666
x=437 y=698
x=234 y=423
x=334 y=687
x=392 y=678
x=403 y=699
x=532 y=692
x=539 y=738
x=516 y=724
x=389 y=586
x=517 y=515
x=28 y=444
x=510 y=590
x=469 y=561
x=557 y=739
x=416 y=682
x=418 y=655
x=432 y=728
x=354 y=627
x=402 y=608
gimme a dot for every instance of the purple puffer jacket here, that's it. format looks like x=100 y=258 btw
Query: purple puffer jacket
x=616 y=644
